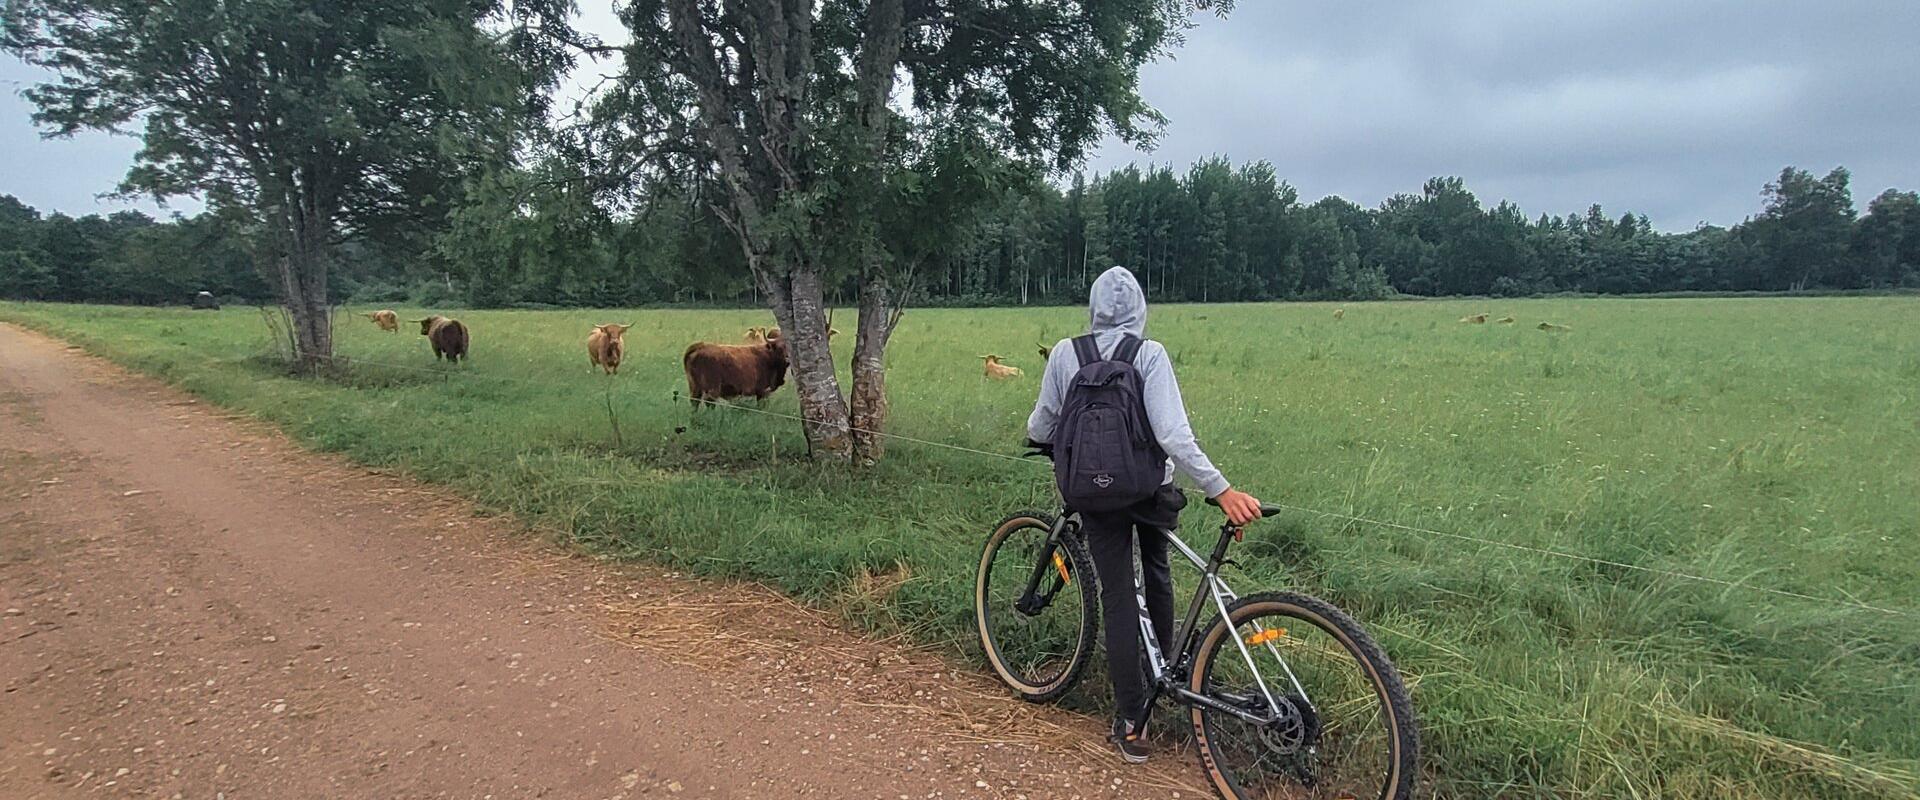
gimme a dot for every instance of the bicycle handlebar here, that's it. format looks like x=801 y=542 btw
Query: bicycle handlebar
x=1046 y=450
x=1266 y=509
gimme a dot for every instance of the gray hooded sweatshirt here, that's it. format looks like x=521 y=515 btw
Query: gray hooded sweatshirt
x=1119 y=307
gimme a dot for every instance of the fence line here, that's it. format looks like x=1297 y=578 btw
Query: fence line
x=1414 y=529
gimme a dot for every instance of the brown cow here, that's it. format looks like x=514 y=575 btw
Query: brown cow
x=1506 y=320
x=605 y=347
x=999 y=371
x=1548 y=326
x=1477 y=319
x=1339 y=313
x=386 y=319
x=447 y=336
x=725 y=371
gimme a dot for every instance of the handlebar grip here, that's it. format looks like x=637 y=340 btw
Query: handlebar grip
x=1266 y=509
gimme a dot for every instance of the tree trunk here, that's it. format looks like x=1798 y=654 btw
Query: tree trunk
x=799 y=306
x=303 y=265
x=879 y=313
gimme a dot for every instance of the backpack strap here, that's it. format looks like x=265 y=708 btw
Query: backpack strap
x=1128 y=347
x=1088 y=352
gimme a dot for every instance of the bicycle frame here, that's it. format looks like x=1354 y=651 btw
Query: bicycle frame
x=1168 y=676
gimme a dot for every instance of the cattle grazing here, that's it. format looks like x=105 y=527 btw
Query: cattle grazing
x=999 y=371
x=206 y=301
x=1477 y=319
x=387 y=320
x=1339 y=313
x=1548 y=326
x=725 y=371
x=605 y=346
x=447 y=336
x=1507 y=320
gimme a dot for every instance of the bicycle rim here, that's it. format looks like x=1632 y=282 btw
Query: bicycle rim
x=1343 y=733
x=1039 y=655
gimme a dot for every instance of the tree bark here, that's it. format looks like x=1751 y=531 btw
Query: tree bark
x=879 y=312
x=304 y=239
x=798 y=304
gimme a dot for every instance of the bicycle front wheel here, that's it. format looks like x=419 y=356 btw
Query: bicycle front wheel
x=1332 y=719
x=1038 y=641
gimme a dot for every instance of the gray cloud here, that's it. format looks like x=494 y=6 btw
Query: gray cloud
x=1680 y=111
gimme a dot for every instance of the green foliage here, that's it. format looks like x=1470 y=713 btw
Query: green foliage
x=973 y=228
x=315 y=122
x=1766 y=442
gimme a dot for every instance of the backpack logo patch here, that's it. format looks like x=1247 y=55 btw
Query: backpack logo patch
x=1103 y=480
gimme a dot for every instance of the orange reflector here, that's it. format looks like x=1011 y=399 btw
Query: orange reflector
x=1061 y=565
x=1265 y=636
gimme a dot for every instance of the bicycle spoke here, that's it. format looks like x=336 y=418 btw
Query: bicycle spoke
x=1040 y=645
x=1337 y=745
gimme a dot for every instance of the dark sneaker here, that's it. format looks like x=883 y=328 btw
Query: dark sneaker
x=1132 y=746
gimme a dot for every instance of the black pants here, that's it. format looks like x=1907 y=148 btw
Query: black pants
x=1110 y=536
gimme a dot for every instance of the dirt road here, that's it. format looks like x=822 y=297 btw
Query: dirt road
x=194 y=607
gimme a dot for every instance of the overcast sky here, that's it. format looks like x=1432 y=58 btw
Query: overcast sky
x=1678 y=110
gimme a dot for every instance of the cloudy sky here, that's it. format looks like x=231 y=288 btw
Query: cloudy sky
x=1678 y=110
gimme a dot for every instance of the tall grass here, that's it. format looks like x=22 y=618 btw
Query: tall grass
x=1771 y=442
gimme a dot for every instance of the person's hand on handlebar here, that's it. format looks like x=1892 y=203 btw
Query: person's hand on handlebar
x=1241 y=507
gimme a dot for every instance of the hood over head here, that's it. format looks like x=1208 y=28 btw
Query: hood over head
x=1117 y=303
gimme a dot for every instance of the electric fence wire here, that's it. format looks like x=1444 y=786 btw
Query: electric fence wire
x=1385 y=524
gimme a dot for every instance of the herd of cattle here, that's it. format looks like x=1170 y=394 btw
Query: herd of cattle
x=1481 y=319
x=756 y=367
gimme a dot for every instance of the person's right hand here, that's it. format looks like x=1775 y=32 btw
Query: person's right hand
x=1241 y=507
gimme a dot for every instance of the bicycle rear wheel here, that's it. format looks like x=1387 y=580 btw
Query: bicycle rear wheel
x=1039 y=649
x=1344 y=727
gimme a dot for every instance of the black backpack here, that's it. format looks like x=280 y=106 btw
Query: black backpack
x=1105 y=456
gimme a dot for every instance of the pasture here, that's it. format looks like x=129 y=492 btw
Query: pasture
x=1769 y=442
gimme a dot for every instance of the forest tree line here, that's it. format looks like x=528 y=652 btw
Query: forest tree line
x=1218 y=232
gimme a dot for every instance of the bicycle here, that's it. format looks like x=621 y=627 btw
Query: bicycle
x=1354 y=736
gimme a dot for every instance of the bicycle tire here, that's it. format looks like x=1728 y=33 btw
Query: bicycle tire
x=1391 y=692
x=1080 y=565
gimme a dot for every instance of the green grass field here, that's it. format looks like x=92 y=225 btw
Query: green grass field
x=1771 y=442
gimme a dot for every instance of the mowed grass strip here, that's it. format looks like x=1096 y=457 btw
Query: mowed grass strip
x=1772 y=442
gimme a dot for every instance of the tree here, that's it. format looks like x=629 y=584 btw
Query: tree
x=322 y=121
x=792 y=105
x=1805 y=229
x=1886 y=242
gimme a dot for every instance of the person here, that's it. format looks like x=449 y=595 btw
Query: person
x=1118 y=307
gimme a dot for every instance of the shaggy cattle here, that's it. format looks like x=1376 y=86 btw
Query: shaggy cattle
x=725 y=371
x=387 y=320
x=448 y=337
x=1477 y=319
x=1339 y=313
x=605 y=346
x=999 y=371
x=1508 y=320
x=1548 y=326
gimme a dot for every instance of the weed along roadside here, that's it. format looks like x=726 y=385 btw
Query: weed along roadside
x=1762 y=442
